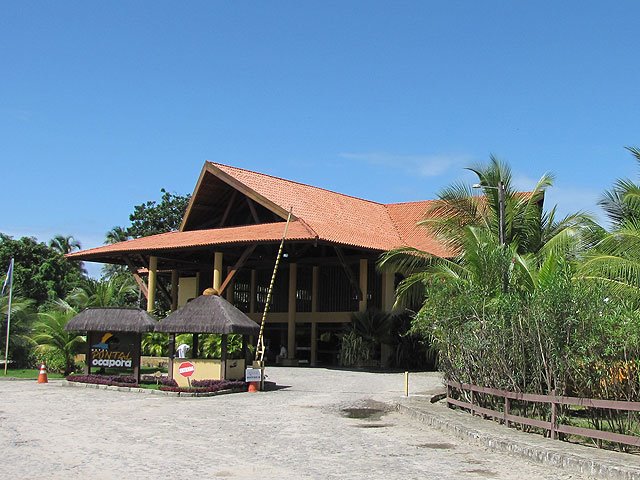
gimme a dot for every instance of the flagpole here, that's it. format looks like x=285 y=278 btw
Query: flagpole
x=6 y=347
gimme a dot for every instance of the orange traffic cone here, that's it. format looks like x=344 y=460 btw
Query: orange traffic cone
x=42 y=377
x=253 y=387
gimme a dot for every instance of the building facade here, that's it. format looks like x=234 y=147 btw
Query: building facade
x=229 y=240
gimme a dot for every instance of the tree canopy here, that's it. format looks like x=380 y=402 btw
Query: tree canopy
x=41 y=272
x=153 y=217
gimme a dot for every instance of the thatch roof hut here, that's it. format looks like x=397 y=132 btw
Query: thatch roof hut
x=208 y=314
x=115 y=319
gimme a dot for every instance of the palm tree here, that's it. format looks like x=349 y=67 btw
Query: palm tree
x=120 y=290
x=615 y=261
x=116 y=235
x=50 y=336
x=22 y=318
x=469 y=226
x=622 y=202
x=64 y=245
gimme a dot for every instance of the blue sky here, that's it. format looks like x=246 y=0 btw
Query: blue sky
x=104 y=103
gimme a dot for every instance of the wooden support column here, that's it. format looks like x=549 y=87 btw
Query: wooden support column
x=134 y=272
x=388 y=291
x=315 y=276
x=136 y=356
x=198 y=289
x=172 y=353
x=153 y=278
x=217 y=270
x=347 y=270
x=291 y=314
x=229 y=287
x=174 y=290
x=364 y=264
x=252 y=300
x=231 y=271
x=223 y=357
x=245 y=350
x=196 y=346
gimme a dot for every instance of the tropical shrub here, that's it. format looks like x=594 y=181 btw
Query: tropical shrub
x=51 y=338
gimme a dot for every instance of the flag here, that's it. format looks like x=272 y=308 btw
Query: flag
x=7 y=280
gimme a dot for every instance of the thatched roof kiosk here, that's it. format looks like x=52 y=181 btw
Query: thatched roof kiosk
x=115 y=319
x=113 y=336
x=208 y=313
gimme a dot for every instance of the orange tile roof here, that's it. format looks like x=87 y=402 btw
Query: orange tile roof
x=199 y=238
x=336 y=217
x=405 y=217
x=319 y=214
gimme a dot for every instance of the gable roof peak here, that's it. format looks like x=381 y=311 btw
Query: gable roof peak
x=225 y=169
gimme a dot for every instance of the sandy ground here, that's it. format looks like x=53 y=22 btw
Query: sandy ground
x=299 y=432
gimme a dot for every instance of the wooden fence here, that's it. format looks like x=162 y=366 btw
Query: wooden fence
x=554 y=401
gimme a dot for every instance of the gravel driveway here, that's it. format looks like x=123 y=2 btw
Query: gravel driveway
x=325 y=424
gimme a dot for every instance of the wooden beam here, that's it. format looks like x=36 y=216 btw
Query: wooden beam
x=278 y=210
x=134 y=271
x=192 y=200
x=352 y=278
x=227 y=210
x=238 y=265
x=163 y=290
x=252 y=207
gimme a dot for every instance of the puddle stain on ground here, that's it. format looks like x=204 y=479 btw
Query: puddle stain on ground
x=374 y=425
x=482 y=472
x=363 y=413
x=369 y=414
x=437 y=446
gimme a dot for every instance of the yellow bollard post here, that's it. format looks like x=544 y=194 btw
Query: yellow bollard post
x=406 y=384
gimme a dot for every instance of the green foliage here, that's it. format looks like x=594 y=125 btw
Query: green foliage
x=41 y=273
x=117 y=291
x=154 y=217
x=615 y=261
x=52 y=339
x=372 y=325
x=53 y=359
x=210 y=346
x=469 y=226
x=22 y=319
x=355 y=351
x=504 y=315
x=116 y=235
x=155 y=344
x=620 y=203
x=64 y=245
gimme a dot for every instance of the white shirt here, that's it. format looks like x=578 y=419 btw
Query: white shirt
x=182 y=350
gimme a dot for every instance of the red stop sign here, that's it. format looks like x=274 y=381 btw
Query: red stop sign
x=186 y=369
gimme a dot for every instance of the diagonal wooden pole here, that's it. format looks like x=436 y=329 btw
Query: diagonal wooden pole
x=260 y=347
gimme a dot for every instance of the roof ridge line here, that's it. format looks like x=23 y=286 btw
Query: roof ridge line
x=296 y=182
x=308 y=228
x=411 y=202
x=395 y=225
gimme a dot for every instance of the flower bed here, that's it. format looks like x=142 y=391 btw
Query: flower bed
x=205 y=386
x=115 y=380
x=167 y=385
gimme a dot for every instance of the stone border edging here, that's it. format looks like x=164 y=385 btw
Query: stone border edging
x=546 y=456
x=149 y=391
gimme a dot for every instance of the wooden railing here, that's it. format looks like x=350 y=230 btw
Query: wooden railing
x=554 y=401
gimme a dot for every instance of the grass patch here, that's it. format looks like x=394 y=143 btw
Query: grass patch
x=28 y=373
x=150 y=386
